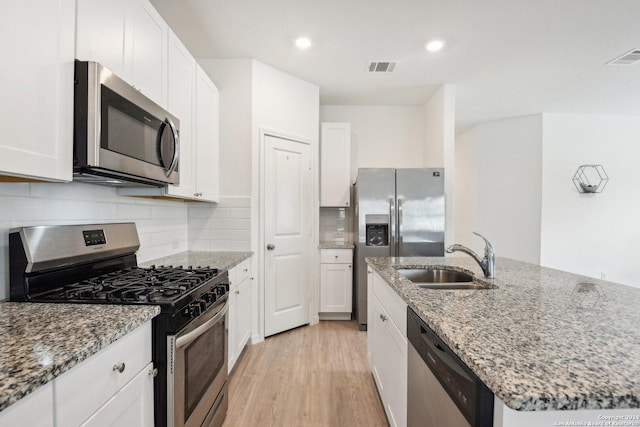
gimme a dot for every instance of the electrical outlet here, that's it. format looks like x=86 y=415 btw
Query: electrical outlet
x=338 y=235
x=603 y=275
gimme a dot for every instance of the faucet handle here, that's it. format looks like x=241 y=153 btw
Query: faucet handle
x=488 y=246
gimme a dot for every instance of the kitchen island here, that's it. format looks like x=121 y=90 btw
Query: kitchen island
x=543 y=340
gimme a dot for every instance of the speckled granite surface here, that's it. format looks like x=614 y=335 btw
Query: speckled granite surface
x=219 y=260
x=542 y=340
x=331 y=245
x=41 y=341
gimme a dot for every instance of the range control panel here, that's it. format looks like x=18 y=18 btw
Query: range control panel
x=94 y=237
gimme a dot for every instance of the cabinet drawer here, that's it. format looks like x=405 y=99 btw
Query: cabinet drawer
x=336 y=256
x=84 y=389
x=392 y=303
x=239 y=273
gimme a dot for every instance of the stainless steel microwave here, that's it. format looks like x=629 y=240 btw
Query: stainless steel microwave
x=121 y=137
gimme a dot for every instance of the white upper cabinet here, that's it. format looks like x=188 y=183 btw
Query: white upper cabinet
x=36 y=79
x=335 y=164
x=181 y=89
x=206 y=136
x=148 y=51
x=100 y=35
x=129 y=38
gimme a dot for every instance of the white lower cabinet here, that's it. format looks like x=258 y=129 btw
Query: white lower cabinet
x=24 y=413
x=131 y=406
x=239 y=310
x=112 y=387
x=336 y=282
x=387 y=341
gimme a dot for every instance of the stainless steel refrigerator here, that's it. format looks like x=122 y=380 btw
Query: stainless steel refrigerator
x=398 y=212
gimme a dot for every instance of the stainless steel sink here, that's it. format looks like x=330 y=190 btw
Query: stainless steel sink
x=438 y=278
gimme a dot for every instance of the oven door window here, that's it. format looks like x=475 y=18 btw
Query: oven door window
x=131 y=131
x=204 y=360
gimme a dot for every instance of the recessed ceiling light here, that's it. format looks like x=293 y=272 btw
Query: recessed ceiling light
x=302 y=42
x=434 y=45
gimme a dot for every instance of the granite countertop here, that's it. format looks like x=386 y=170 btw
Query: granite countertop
x=332 y=245
x=219 y=260
x=542 y=340
x=41 y=341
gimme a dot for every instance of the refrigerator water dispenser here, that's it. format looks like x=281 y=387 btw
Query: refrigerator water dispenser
x=377 y=230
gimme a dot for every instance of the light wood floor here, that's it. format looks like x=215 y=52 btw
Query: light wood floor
x=311 y=376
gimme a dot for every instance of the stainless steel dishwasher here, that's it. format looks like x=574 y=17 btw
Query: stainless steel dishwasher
x=442 y=390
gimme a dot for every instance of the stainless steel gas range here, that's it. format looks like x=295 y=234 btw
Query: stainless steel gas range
x=97 y=264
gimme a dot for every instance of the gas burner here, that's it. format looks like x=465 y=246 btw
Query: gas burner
x=151 y=285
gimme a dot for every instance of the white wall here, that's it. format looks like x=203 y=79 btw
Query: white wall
x=381 y=136
x=162 y=224
x=592 y=233
x=439 y=147
x=498 y=187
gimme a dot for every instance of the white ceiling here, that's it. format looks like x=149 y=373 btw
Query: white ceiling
x=507 y=57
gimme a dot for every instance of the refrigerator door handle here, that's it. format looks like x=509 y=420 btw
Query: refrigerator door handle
x=399 y=250
x=392 y=226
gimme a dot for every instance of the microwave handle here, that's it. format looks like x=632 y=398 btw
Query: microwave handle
x=176 y=147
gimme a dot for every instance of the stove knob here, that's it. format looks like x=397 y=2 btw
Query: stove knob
x=203 y=305
x=220 y=290
x=207 y=297
x=226 y=286
x=195 y=309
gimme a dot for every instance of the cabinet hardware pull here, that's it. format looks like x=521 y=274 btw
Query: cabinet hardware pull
x=246 y=270
x=237 y=292
x=119 y=367
x=153 y=372
x=383 y=317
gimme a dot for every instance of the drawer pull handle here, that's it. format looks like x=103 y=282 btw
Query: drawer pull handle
x=237 y=292
x=119 y=367
x=246 y=270
x=383 y=317
x=153 y=372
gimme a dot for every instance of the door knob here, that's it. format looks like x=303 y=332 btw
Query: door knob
x=271 y=247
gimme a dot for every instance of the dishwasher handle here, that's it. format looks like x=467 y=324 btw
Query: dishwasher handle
x=443 y=355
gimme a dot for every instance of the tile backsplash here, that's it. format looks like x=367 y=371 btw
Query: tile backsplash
x=335 y=225
x=165 y=227
x=162 y=225
x=225 y=226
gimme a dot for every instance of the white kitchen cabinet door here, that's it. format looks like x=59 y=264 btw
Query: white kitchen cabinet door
x=243 y=313
x=24 y=413
x=206 y=137
x=129 y=38
x=131 y=406
x=335 y=288
x=336 y=283
x=388 y=352
x=335 y=164
x=83 y=390
x=36 y=79
x=101 y=35
x=181 y=90
x=239 y=310
x=149 y=51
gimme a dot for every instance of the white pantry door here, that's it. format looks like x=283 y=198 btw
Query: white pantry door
x=287 y=233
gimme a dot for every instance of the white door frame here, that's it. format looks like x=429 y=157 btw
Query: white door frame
x=258 y=224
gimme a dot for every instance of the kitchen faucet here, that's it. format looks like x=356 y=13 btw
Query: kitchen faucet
x=488 y=263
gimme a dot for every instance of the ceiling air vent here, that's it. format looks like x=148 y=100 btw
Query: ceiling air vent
x=628 y=58
x=382 y=66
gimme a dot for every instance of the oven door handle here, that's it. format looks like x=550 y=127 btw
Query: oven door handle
x=187 y=339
